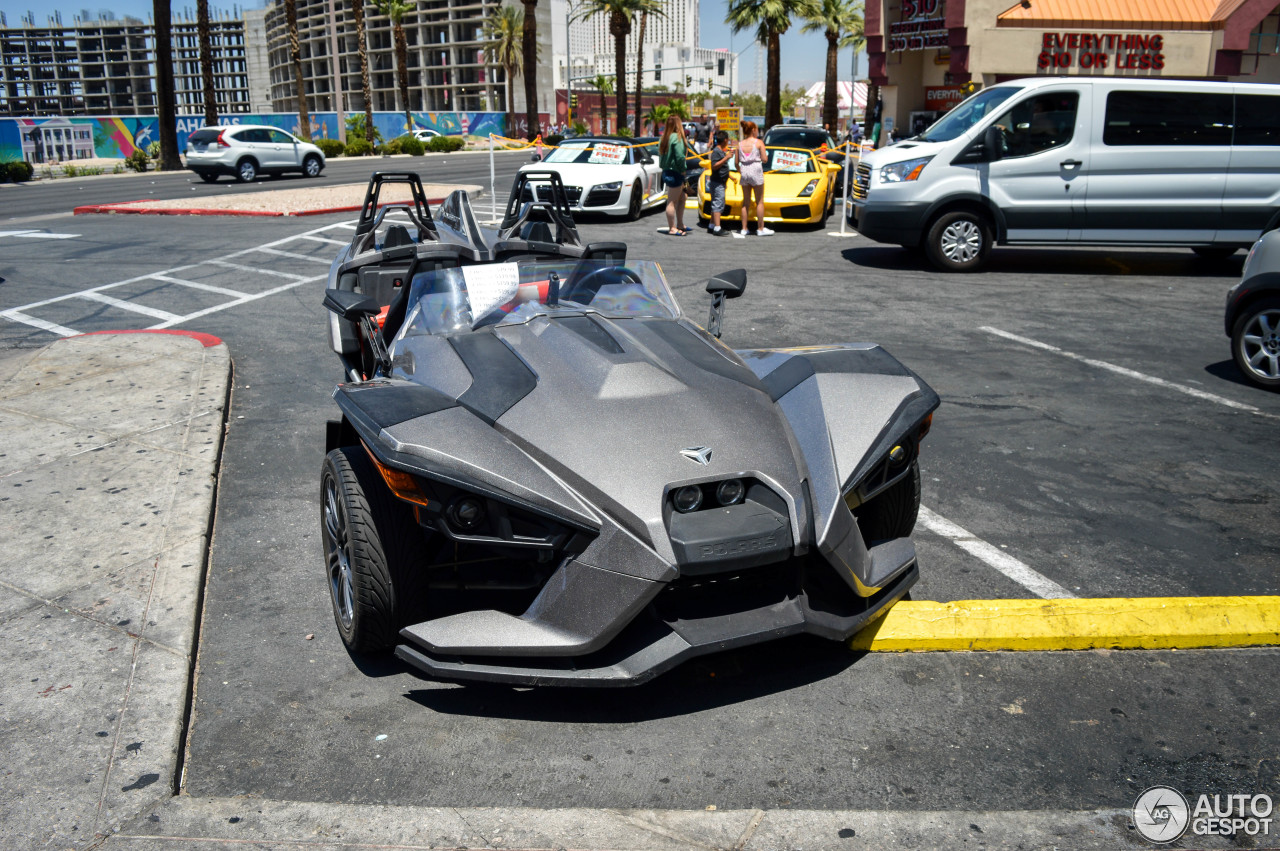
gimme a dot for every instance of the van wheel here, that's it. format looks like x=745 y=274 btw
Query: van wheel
x=1214 y=252
x=958 y=241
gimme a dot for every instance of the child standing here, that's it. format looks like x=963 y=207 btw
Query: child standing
x=717 y=181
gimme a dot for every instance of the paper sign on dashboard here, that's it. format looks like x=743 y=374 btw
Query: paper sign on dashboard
x=612 y=154
x=790 y=161
x=489 y=286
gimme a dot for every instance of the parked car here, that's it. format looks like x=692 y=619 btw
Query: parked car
x=426 y=135
x=545 y=473
x=799 y=188
x=615 y=175
x=1080 y=161
x=1253 y=314
x=810 y=137
x=246 y=150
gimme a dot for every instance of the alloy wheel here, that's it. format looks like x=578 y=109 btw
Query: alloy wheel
x=1260 y=344
x=337 y=539
x=961 y=241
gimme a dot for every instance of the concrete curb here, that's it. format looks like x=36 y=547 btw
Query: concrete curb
x=108 y=479
x=1147 y=623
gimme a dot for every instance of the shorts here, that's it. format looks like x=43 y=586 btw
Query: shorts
x=717 y=196
x=672 y=179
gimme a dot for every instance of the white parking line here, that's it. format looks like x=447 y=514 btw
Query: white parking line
x=18 y=316
x=239 y=301
x=198 y=286
x=256 y=270
x=326 y=239
x=38 y=234
x=1036 y=583
x=1129 y=373
x=128 y=305
x=277 y=252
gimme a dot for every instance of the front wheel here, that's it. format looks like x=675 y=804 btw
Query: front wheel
x=246 y=171
x=958 y=241
x=637 y=201
x=311 y=167
x=374 y=553
x=1255 y=343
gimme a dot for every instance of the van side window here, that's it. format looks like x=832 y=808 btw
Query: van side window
x=1039 y=123
x=1257 y=120
x=1168 y=118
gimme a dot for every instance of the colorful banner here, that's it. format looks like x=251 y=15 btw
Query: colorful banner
x=60 y=139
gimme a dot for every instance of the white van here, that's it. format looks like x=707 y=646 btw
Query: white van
x=1080 y=160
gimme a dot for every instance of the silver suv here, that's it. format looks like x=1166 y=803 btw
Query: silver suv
x=247 y=150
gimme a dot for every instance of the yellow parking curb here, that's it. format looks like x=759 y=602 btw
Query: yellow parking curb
x=1124 y=622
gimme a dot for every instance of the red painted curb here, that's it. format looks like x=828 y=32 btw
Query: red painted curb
x=207 y=340
x=178 y=211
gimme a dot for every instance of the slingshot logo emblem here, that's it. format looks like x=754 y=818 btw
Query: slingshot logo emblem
x=1161 y=814
x=700 y=454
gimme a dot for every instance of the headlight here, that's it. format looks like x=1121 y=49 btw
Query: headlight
x=688 y=498
x=903 y=171
x=616 y=186
x=730 y=492
x=808 y=190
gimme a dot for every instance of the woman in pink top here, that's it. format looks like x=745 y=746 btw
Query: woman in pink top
x=751 y=155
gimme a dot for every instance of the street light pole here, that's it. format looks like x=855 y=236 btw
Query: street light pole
x=568 y=68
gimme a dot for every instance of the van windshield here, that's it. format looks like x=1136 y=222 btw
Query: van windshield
x=958 y=121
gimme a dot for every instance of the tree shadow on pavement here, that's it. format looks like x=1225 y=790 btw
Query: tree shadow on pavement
x=1058 y=261
x=702 y=683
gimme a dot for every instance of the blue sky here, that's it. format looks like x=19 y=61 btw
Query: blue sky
x=803 y=55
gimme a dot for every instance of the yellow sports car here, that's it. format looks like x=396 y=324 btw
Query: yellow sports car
x=799 y=187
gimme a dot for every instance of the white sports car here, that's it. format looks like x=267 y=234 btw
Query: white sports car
x=618 y=176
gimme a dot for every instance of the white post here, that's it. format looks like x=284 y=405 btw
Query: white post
x=849 y=163
x=493 y=195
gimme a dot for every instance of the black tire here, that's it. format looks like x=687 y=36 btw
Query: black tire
x=891 y=513
x=375 y=555
x=246 y=170
x=958 y=241
x=311 y=166
x=1255 y=343
x=208 y=176
x=637 y=202
x=1214 y=252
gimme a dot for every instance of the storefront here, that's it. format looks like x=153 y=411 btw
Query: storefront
x=923 y=52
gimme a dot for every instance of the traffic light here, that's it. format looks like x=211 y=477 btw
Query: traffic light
x=969 y=88
x=688 y=80
x=573 y=100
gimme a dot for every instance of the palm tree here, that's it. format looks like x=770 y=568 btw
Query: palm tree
x=679 y=107
x=503 y=31
x=396 y=10
x=835 y=19
x=602 y=84
x=357 y=11
x=206 y=63
x=166 y=108
x=295 y=56
x=644 y=21
x=657 y=116
x=529 y=61
x=770 y=19
x=620 y=13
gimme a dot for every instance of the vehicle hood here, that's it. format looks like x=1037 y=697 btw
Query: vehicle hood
x=615 y=402
x=587 y=174
x=906 y=150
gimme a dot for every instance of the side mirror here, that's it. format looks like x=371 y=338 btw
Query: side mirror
x=731 y=284
x=993 y=142
x=351 y=305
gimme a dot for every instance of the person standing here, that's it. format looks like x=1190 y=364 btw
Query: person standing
x=673 y=152
x=751 y=153
x=717 y=181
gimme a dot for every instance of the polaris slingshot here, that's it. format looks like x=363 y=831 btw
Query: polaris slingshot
x=546 y=474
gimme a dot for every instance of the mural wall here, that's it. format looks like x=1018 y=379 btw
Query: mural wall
x=56 y=139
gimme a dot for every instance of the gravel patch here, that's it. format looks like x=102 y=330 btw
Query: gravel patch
x=292 y=202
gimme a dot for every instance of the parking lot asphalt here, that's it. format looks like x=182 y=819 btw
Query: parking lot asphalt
x=1070 y=461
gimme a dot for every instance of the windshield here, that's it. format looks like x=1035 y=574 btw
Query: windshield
x=462 y=299
x=784 y=161
x=797 y=138
x=956 y=122
x=589 y=151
